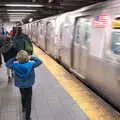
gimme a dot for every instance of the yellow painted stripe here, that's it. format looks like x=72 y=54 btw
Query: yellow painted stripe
x=94 y=107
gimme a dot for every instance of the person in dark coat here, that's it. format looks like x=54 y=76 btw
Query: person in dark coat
x=0 y=52
x=8 y=52
x=3 y=33
x=20 y=39
x=13 y=32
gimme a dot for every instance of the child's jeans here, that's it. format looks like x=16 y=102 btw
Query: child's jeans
x=26 y=98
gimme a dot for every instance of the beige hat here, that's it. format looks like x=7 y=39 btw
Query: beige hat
x=22 y=56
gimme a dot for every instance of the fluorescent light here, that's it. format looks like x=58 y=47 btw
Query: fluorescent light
x=21 y=10
x=23 y=5
x=31 y=19
x=21 y=22
x=13 y=15
x=18 y=18
x=49 y=1
x=15 y=19
x=18 y=13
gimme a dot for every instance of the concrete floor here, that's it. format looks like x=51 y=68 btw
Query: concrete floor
x=50 y=100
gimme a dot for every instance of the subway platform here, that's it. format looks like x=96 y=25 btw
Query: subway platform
x=57 y=95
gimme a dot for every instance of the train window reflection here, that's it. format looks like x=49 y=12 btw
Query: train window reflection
x=116 y=42
x=77 y=31
x=87 y=32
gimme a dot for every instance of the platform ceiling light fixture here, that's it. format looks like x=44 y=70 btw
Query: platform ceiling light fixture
x=21 y=10
x=14 y=20
x=18 y=13
x=19 y=18
x=21 y=22
x=50 y=1
x=23 y=5
x=31 y=19
x=15 y=15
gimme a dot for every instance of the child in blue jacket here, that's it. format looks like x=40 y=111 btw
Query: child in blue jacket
x=23 y=66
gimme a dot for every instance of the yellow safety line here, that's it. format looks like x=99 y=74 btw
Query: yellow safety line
x=94 y=107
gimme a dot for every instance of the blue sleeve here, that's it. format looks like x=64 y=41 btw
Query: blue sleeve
x=10 y=63
x=37 y=61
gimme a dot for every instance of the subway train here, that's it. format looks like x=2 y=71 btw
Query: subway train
x=87 y=42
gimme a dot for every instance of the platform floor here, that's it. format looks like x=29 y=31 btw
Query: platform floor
x=50 y=100
x=57 y=95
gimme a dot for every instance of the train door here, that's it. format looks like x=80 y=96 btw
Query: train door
x=84 y=47
x=112 y=64
x=50 y=38
x=58 y=32
x=66 y=37
x=43 y=33
x=23 y=28
x=37 y=33
x=76 y=45
x=80 y=45
x=29 y=30
x=32 y=31
x=47 y=37
x=41 y=41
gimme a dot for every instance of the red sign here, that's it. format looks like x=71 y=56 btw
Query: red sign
x=101 y=21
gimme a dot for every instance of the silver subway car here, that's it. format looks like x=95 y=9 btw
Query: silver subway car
x=87 y=42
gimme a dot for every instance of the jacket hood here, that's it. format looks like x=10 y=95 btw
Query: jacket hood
x=23 y=70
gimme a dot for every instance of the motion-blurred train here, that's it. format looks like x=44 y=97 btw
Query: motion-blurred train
x=87 y=42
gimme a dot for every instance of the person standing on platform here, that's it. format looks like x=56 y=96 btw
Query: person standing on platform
x=21 y=41
x=8 y=52
x=0 y=52
x=23 y=66
x=13 y=32
x=3 y=34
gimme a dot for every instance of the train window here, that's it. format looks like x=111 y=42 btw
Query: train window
x=40 y=28
x=87 y=32
x=77 y=31
x=116 y=42
x=50 y=31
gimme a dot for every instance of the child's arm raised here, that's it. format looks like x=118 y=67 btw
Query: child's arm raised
x=37 y=61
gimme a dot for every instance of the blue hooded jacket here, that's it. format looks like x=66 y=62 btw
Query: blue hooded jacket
x=24 y=73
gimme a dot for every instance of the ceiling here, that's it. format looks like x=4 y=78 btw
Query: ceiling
x=23 y=10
